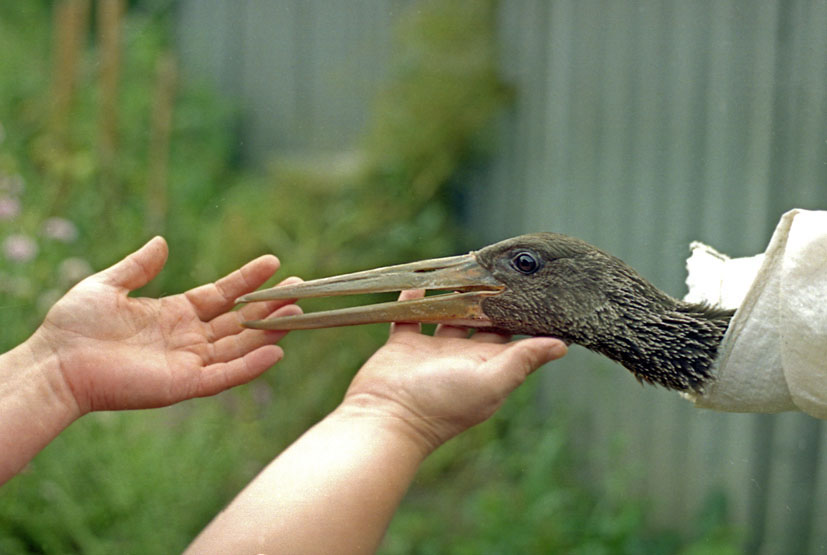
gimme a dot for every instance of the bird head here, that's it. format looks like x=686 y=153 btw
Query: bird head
x=536 y=284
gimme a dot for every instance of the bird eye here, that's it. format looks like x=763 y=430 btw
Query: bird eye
x=525 y=262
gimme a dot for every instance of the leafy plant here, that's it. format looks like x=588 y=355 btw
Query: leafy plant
x=511 y=486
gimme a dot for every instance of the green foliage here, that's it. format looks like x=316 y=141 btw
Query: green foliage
x=147 y=482
x=70 y=220
x=127 y=483
x=119 y=482
x=511 y=486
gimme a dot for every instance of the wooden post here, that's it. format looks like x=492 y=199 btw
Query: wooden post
x=71 y=18
x=70 y=21
x=159 y=142
x=110 y=16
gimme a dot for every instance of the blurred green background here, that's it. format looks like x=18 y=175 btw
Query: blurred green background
x=122 y=120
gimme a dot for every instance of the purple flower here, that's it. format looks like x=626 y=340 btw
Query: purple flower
x=47 y=299
x=12 y=184
x=9 y=208
x=16 y=286
x=60 y=229
x=19 y=248
x=72 y=270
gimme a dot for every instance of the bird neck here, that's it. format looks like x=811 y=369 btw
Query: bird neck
x=671 y=343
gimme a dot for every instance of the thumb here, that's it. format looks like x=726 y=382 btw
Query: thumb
x=537 y=351
x=140 y=267
x=511 y=367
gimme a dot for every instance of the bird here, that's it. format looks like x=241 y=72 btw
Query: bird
x=539 y=284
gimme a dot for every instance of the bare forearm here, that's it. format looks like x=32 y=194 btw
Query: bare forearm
x=34 y=405
x=333 y=491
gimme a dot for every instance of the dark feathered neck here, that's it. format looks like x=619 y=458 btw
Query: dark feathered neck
x=586 y=296
x=670 y=343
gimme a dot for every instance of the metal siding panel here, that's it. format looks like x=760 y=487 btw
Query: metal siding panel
x=556 y=114
x=579 y=164
x=305 y=72
x=532 y=189
x=818 y=531
x=684 y=90
x=719 y=169
x=585 y=379
x=760 y=80
x=526 y=179
x=810 y=157
x=617 y=220
x=699 y=169
x=333 y=51
x=268 y=78
x=791 y=484
x=646 y=230
x=675 y=500
x=204 y=40
x=646 y=156
x=612 y=155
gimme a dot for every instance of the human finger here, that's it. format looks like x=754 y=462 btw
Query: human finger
x=447 y=330
x=229 y=323
x=491 y=337
x=507 y=370
x=211 y=299
x=404 y=327
x=238 y=344
x=138 y=268
x=220 y=376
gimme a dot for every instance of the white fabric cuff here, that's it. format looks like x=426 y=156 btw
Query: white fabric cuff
x=773 y=357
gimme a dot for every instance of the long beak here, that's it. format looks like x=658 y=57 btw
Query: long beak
x=462 y=274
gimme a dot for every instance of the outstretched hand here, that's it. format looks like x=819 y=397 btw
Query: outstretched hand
x=120 y=352
x=438 y=386
x=348 y=473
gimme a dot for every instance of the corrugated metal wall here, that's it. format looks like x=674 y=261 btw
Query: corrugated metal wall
x=304 y=71
x=638 y=126
x=641 y=126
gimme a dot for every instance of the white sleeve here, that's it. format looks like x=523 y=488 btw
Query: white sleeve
x=774 y=355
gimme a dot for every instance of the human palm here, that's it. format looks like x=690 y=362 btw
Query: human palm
x=121 y=352
x=444 y=384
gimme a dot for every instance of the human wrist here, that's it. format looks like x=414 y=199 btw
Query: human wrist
x=44 y=373
x=394 y=419
x=35 y=404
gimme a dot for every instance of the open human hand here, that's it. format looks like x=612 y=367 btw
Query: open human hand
x=438 y=386
x=120 y=352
